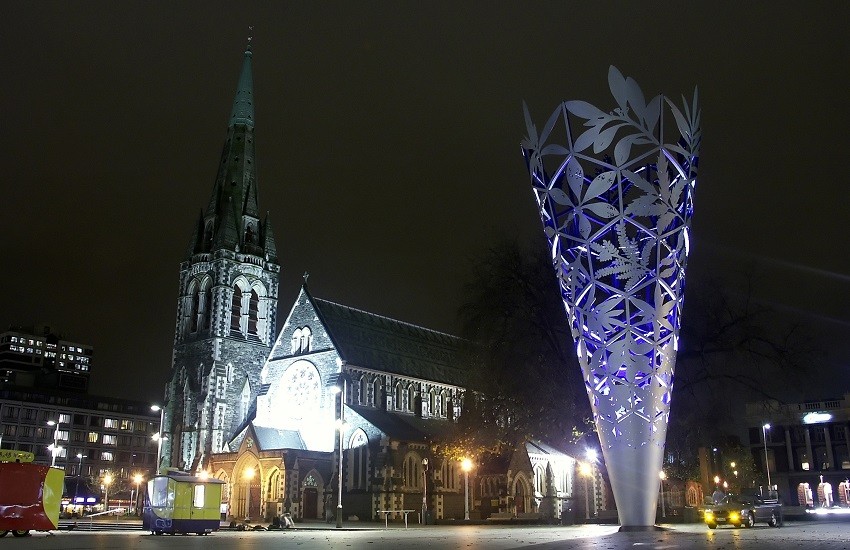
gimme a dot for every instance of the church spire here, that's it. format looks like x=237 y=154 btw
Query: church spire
x=243 y=103
x=232 y=218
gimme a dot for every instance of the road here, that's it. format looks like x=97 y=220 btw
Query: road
x=811 y=535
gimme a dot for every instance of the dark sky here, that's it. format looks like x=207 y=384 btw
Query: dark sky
x=388 y=149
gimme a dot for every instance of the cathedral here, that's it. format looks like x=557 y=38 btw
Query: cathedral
x=341 y=403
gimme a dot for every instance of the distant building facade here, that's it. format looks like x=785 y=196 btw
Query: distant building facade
x=263 y=413
x=805 y=448
x=91 y=436
x=36 y=357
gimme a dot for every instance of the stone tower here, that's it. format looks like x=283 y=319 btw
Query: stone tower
x=226 y=310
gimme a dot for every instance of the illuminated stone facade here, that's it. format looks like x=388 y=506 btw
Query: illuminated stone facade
x=226 y=310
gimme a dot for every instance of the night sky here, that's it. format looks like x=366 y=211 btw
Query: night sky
x=388 y=149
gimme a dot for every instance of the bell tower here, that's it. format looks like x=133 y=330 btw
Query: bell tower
x=227 y=304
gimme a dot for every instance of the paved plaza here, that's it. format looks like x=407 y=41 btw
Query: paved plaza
x=809 y=535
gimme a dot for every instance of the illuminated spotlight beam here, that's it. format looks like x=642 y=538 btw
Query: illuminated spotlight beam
x=616 y=201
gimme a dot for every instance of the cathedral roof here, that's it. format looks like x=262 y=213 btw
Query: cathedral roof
x=375 y=342
x=406 y=427
x=272 y=438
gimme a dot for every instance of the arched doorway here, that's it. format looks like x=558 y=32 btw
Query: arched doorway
x=246 y=494
x=310 y=495
x=521 y=493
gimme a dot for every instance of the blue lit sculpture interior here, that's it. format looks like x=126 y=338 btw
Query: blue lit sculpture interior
x=615 y=192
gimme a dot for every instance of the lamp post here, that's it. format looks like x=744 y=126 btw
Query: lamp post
x=466 y=466
x=54 y=449
x=339 y=387
x=79 y=475
x=248 y=476
x=585 y=470
x=137 y=479
x=424 y=491
x=766 y=463
x=662 y=476
x=107 y=480
x=159 y=436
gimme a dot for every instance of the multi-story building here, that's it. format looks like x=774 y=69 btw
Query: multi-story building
x=87 y=436
x=804 y=448
x=36 y=357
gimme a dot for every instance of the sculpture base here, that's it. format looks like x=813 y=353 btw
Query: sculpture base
x=641 y=528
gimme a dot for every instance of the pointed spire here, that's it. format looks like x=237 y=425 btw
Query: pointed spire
x=243 y=103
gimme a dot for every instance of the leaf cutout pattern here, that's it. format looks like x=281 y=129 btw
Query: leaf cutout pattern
x=616 y=200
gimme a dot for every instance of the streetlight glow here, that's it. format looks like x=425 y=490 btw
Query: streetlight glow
x=107 y=481
x=466 y=466
x=137 y=479
x=54 y=448
x=585 y=469
x=662 y=476
x=766 y=463
x=159 y=436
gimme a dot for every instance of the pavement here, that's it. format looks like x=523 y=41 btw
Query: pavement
x=820 y=534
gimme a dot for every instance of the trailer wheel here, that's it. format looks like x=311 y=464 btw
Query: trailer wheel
x=21 y=532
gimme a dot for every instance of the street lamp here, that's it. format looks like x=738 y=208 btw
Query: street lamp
x=107 y=480
x=159 y=436
x=339 y=388
x=137 y=479
x=586 y=470
x=466 y=466
x=766 y=463
x=424 y=491
x=79 y=475
x=54 y=449
x=662 y=476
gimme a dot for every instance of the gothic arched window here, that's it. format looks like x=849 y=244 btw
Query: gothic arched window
x=236 y=311
x=377 y=395
x=411 y=396
x=296 y=341
x=208 y=307
x=361 y=390
x=358 y=459
x=249 y=234
x=306 y=340
x=539 y=480
x=194 y=310
x=253 y=309
x=411 y=471
x=398 y=396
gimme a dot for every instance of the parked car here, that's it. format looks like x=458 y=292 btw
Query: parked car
x=744 y=511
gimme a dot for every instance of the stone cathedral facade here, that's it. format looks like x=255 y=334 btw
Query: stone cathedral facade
x=226 y=310
x=269 y=413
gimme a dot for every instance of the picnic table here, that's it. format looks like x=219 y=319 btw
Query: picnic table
x=388 y=512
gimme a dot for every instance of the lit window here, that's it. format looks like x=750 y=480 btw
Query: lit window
x=198 y=500
x=106 y=456
x=93 y=437
x=109 y=439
